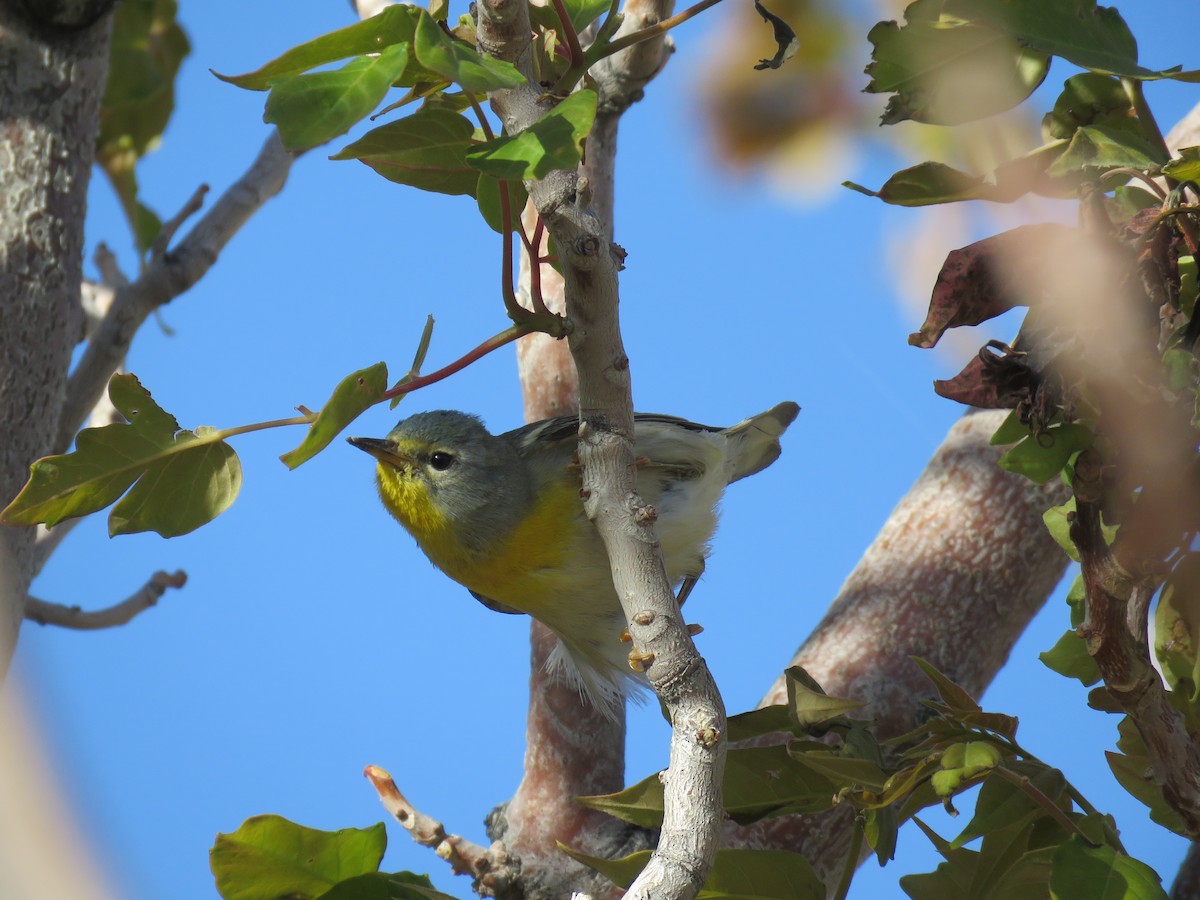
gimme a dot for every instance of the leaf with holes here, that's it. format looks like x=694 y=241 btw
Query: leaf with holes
x=354 y=394
x=180 y=479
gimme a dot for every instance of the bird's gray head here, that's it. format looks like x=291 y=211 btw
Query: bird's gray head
x=448 y=459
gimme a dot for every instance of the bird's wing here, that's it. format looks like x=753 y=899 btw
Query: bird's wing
x=495 y=605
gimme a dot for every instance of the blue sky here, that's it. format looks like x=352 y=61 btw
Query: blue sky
x=313 y=638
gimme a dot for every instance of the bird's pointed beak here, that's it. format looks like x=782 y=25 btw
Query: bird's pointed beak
x=382 y=449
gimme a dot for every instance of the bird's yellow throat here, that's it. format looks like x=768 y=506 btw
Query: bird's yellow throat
x=540 y=542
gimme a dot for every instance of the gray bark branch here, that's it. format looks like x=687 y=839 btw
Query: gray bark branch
x=49 y=106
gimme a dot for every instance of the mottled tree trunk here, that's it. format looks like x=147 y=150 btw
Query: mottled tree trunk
x=52 y=72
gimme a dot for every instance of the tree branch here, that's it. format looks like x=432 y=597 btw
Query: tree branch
x=167 y=276
x=1114 y=628
x=954 y=576
x=45 y=613
x=590 y=265
x=1187 y=880
x=491 y=868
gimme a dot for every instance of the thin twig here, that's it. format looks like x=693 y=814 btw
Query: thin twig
x=535 y=268
x=108 y=267
x=167 y=278
x=490 y=866
x=568 y=31
x=166 y=234
x=653 y=31
x=45 y=613
x=495 y=342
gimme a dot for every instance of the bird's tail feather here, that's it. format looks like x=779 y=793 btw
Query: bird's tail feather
x=758 y=439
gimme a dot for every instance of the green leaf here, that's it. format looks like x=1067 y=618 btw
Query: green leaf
x=1095 y=149
x=765 y=781
x=1090 y=99
x=761 y=875
x=620 y=872
x=426 y=150
x=457 y=62
x=395 y=25
x=757 y=722
x=269 y=857
x=1041 y=458
x=945 y=71
x=952 y=694
x=487 y=195
x=555 y=141
x=930 y=183
x=382 y=886
x=1186 y=166
x=583 y=13
x=195 y=475
x=811 y=707
x=641 y=803
x=1092 y=37
x=354 y=394
x=1133 y=772
x=1069 y=657
x=312 y=109
x=1179 y=369
x=951 y=878
x=1176 y=631
x=843 y=771
x=1011 y=430
x=146 y=50
x=1082 y=872
x=180 y=492
x=1003 y=869
x=1059 y=525
x=1001 y=804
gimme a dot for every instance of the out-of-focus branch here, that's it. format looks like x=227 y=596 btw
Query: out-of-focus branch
x=45 y=613
x=590 y=264
x=1114 y=627
x=1187 y=880
x=954 y=576
x=167 y=276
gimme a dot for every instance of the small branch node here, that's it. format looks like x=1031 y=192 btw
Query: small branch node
x=644 y=618
x=464 y=857
x=158 y=250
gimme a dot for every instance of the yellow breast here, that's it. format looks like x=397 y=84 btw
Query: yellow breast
x=521 y=568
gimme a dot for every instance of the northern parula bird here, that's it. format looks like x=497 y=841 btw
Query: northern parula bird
x=502 y=516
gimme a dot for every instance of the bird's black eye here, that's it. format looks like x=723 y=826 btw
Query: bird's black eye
x=441 y=460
